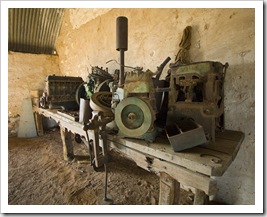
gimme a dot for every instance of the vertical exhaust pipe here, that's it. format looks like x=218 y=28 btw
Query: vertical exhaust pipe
x=121 y=43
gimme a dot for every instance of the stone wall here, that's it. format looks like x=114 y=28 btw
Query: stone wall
x=26 y=72
x=224 y=35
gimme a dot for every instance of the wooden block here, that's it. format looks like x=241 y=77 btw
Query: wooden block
x=67 y=144
x=200 y=198
x=27 y=127
x=39 y=124
x=169 y=190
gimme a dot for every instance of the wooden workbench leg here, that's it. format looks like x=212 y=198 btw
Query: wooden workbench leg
x=39 y=124
x=169 y=190
x=200 y=198
x=67 y=144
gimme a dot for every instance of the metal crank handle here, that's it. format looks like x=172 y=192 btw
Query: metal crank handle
x=160 y=68
x=164 y=63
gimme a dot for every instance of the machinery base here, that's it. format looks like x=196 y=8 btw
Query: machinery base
x=148 y=136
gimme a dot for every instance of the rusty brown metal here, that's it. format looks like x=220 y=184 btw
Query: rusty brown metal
x=197 y=92
x=138 y=99
x=185 y=134
x=59 y=92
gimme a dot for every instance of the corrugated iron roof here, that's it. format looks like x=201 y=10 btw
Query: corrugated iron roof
x=34 y=30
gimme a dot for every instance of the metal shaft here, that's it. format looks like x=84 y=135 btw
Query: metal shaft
x=121 y=81
x=106 y=182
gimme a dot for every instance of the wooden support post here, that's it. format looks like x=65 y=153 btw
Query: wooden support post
x=169 y=190
x=39 y=124
x=67 y=144
x=200 y=198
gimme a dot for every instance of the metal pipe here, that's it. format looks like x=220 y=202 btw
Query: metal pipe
x=106 y=182
x=121 y=43
x=122 y=77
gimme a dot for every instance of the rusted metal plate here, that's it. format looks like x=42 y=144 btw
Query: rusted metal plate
x=185 y=134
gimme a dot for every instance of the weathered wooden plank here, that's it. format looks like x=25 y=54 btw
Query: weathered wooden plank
x=39 y=124
x=218 y=162
x=67 y=144
x=200 y=198
x=225 y=146
x=236 y=136
x=73 y=126
x=182 y=175
x=169 y=190
x=196 y=159
x=212 y=159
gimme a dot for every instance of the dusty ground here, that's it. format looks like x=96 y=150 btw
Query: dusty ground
x=38 y=175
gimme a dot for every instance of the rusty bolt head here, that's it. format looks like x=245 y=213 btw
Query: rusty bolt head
x=132 y=116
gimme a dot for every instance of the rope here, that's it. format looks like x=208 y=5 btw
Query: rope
x=183 y=56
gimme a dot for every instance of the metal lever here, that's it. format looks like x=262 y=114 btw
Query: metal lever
x=159 y=71
x=98 y=125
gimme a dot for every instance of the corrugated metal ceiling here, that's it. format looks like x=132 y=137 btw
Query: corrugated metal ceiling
x=34 y=30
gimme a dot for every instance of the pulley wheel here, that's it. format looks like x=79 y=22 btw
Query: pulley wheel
x=133 y=117
x=80 y=92
x=103 y=87
x=101 y=101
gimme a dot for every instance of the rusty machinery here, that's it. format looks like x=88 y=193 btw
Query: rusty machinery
x=189 y=104
x=59 y=92
x=96 y=81
x=197 y=93
x=194 y=97
x=133 y=96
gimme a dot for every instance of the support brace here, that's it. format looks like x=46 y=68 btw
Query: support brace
x=67 y=144
x=169 y=190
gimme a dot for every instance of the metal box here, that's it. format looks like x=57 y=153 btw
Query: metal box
x=185 y=134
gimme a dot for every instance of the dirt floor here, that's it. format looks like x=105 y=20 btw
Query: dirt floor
x=38 y=175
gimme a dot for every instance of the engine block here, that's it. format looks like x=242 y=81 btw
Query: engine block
x=197 y=92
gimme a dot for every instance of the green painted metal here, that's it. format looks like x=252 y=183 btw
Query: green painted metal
x=133 y=117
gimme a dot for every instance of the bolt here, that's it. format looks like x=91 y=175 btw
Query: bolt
x=132 y=116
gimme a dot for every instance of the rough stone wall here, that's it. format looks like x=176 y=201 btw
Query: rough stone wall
x=224 y=35
x=26 y=72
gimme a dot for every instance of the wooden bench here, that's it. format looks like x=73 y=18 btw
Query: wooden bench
x=195 y=167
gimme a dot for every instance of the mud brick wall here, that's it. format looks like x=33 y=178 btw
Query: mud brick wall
x=26 y=72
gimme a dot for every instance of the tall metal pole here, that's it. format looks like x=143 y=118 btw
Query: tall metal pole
x=121 y=43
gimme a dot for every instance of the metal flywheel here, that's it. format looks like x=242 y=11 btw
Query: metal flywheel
x=133 y=117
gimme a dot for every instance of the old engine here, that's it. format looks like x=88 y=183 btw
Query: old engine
x=59 y=92
x=197 y=92
x=135 y=106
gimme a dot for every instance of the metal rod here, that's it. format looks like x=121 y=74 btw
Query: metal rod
x=121 y=81
x=89 y=147
x=106 y=182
